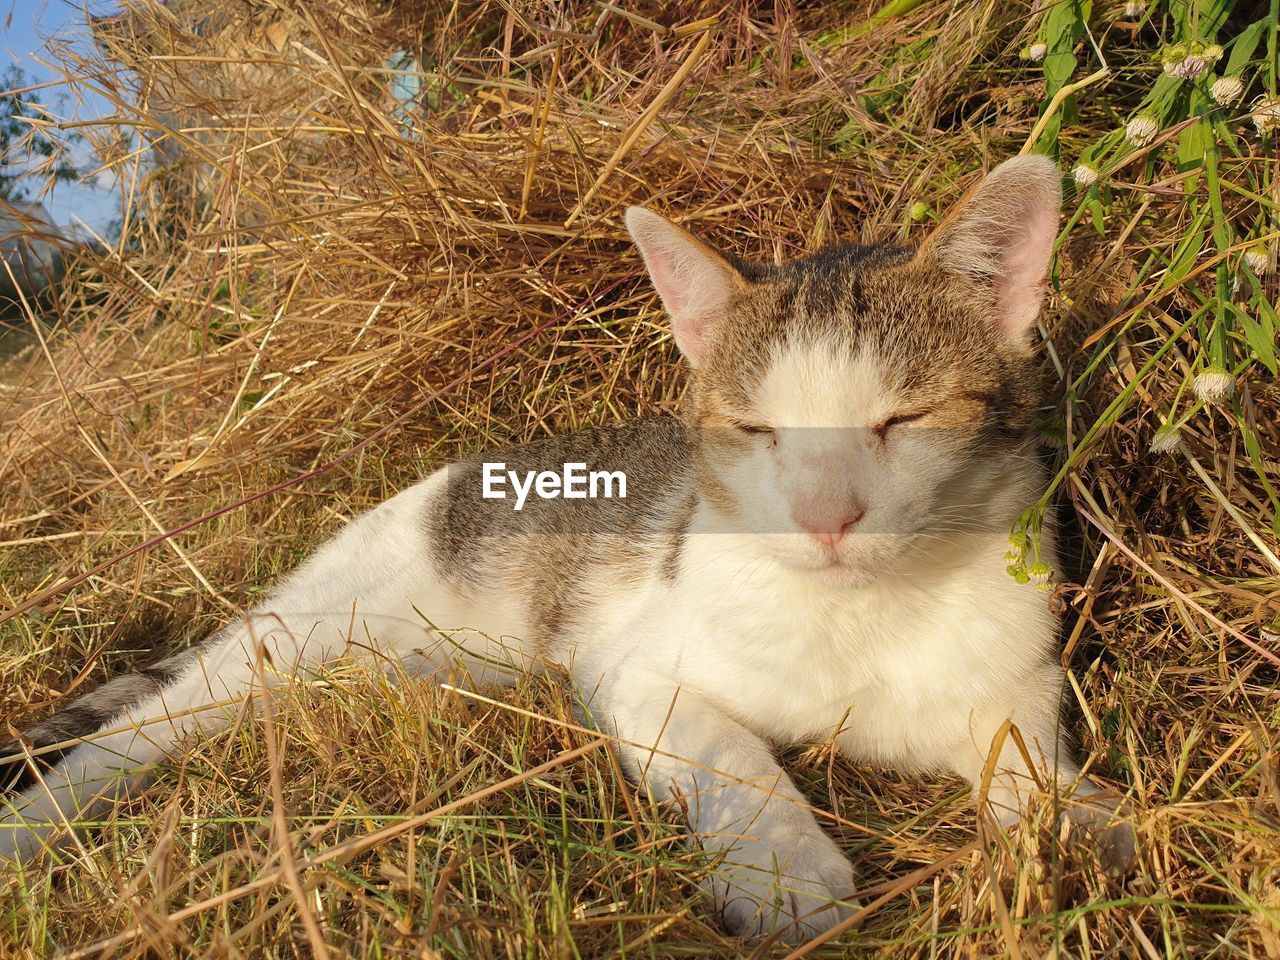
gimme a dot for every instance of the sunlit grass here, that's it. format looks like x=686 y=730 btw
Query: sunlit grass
x=327 y=262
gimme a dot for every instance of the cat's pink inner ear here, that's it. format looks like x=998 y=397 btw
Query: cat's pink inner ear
x=694 y=282
x=1003 y=237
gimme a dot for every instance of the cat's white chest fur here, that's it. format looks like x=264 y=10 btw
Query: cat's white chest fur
x=893 y=669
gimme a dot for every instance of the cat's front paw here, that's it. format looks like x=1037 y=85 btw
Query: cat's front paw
x=793 y=882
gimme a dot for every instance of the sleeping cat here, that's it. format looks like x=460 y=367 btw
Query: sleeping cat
x=814 y=549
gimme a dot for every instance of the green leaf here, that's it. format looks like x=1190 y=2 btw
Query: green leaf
x=1193 y=143
x=1186 y=253
x=1209 y=17
x=1063 y=27
x=1260 y=333
x=1243 y=45
x=1098 y=216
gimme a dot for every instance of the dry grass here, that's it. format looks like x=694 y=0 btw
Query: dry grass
x=331 y=287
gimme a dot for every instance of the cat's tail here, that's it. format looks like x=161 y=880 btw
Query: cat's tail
x=25 y=760
x=68 y=769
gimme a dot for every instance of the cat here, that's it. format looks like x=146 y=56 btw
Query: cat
x=814 y=548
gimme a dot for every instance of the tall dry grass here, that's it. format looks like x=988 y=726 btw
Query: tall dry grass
x=386 y=233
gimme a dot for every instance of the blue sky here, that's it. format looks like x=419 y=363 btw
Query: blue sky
x=25 y=26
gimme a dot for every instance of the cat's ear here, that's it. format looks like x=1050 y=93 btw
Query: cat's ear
x=694 y=281
x=1003 y=238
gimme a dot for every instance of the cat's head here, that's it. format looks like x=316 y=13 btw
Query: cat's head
x=858 y=404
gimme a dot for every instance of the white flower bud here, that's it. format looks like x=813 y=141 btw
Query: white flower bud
x=1188 y=68
x=1141 y=130
x=1166 y=439
x=1040 y=572
x=1226 y=90
x=1266 y=115
x=1084 y=175
x=1215 y=385
x=1036 y=52
x=1258 y=260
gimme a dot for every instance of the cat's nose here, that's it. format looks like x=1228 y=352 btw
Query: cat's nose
x=830 y=528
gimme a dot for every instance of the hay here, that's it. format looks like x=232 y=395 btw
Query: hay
x=335 y=283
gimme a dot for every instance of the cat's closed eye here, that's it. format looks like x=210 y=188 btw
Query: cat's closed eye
x=883 y=428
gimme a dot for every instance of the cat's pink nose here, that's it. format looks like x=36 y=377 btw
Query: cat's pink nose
x=829 y=529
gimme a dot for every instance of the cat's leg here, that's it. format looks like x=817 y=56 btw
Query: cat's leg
x=1017 y=751
x=780 y=872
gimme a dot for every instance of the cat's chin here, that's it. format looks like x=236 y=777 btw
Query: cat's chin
x=846 y=574
x=836 y=572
